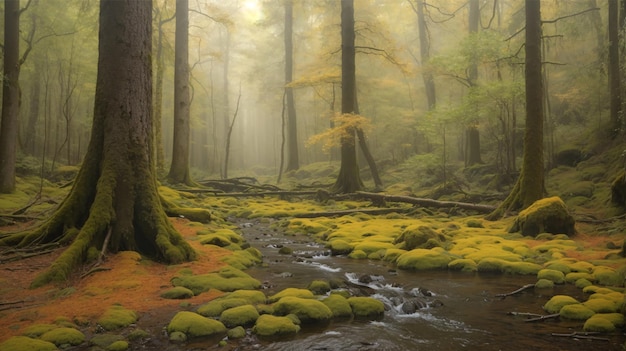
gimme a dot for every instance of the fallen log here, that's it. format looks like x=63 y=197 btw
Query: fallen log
x=381 y=198
x=370 y=211
x=582 y=335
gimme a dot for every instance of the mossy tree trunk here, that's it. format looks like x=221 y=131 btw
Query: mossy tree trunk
x=115 y=193
x=530 y=184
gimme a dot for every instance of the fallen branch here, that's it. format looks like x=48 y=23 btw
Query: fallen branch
x=370 y=211
x=94 y=270
x=381 y=198
x=582 y=335
x=541 y=318
x=18 y=257
x=524 y=314
x=527 y=286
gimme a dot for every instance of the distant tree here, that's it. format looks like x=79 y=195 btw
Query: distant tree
x=472 y=134
x=292 y=129
x=614 y=69
x=114 y=203
x=348 y=180
x=179 y=169
x=530 y=184
x=427 y=76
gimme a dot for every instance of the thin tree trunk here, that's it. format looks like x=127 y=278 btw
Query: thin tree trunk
x=293 y=162
x=614 y=69
x=427 y=76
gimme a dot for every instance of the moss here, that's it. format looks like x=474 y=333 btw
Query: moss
x=178 y=337
x=558 y=266
x=253 y=297
x=391 y=255
x=549 y=215
x=239 y=316
x=265 y=309
x=576 y=312
x=116 y=317
x=366 y=307
x=582 y=266
x=608 y=276
x=616 y=318
x=371 y=246
x=338 y=305
x=522 y=268
x=474 y=223
x=216 y=307
x=36 y=330
x=307 y=310
x=602 y=305
x=550 y=274
x=574 y=276
x=358 y=255
x=177 y=292
x=339 y=247
x=319 y=287
x=285 y=250
x=64 y=336
x=295 y=292
x=23 y=343
x=463 y=265
x=236 y=333
x=598 y=324
x=243 y=259
x=138 y=334
x=544 y=284
x=422 y=259
x=557 y=302
x=491 y=265
x=582 y=283
x=268 y=325
x=120 y=345
x=228 y=279
x=104 y=340
x=195 y=325
x=419 y=236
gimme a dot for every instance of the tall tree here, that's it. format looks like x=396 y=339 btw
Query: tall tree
x=427 y=76
x=179 y=169
x=472 y=134
x=114 y=204
x=348 y=180
x=10 y=96
x=530 y=184
x=614 y=68
x=293 y=162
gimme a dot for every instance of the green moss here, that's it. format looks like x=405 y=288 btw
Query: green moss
x=544 y=284
x=338 y=305
x=608 y=276
x=239 y=316
x=243 y=259
x=319 y=287
x=285 y=250
x=616 y=318
x=116 y=317
x=582 y=266
x=294 y=292
x=177 y=292
x=548 y=215
x=463 y=265
x=177 y=337
x=602 y=305
x=216 y=307
x=268 y=325
x=339 y=247
x=36 y=330
x=557 y=302
x=558 y=266
x=598 y=324
x=522 y=268
x=419 y=237
x=474 y=223
x=550 y=274
x=228 y=279
x=236 y=333
x=265 y=309
x=120 y=345
x=64 y=336
x=138 y=334
x=371 y=246
x=576 y=312
x=391 y=255
x=358 y=255
x=582 y=283
x=366 y=307
x=23 y=343
x=253 y=297
x=104 y=340
x=195 y=325
x=574 y=276
x=422 y=259
x=307 y=310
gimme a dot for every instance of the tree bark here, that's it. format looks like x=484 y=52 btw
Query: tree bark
x=158 y=94
x=10 y=96
x=348 y=180
x=614 y=69
x=179 y=169
x=115 y=189
x=293 y=162
x=427 y=76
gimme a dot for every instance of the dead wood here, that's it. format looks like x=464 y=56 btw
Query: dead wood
x=541 y=318
x=425 y=202
x=582 y=335
x=527 y=286
x=21 y=256
x=370 y=211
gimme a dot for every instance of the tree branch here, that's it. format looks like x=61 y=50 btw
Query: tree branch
x=571 y=15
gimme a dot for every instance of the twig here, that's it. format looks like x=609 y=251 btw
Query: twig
x=26 y=255
x=582 y=335
x=524 y=314
x=94 y=270
x=527 y=286
x=104 y=247
x=540 y=318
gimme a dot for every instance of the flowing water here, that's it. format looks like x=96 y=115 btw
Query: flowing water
x=471 y=317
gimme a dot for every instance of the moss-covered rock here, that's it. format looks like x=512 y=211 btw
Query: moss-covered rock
x=104 y=340
x=572 y=277
x=607 y=276
x=64 y=336
x=116 y=317
x=253 y=297
x=602 y=305
x=319 y=287
x=285 y=250
x=239 y=316
x=616 y=318
x=463 y=265
x=307 y=310
x=216 y=307
x=121 y=345
x=582 y=283
x=598 y=324
x=268 y=325
x=576 y=312
x=236 y=333
x=339 y=247
x=227 y=279
x=24 y=343
x=422 y=259
x=557 y=302
x=338 y=305
x=36 y=330
x=366 y=307
x=177 y=292
x=195 y=325
x=358 y=255
x=544 y=284
x=295 y=292
x=419 y=237
x=549 y=215
x=391 y=255
x=550 y=274
x=178 y=337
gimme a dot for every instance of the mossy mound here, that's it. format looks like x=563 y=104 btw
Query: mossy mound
x=358 y=255
x=557 y=302
x=294 y=292
x=366 y=307
x=544 y=284
x=338 y=305
x=391 y=255
x=24 y=343
x=194 y=325
x=598 y=324
x=607 y=276
x=236 y=333
x=268 y=325
x=120 y=345
x=503 y=266
x=339 y=247
x=227 y=279
x=319 y=287
x=422 y=259
x=602 y=305
x=576 y=312
x=105 y=340
x=572 y=277
x=64 y=336
x=617 y=319
x=239 y=316
x=463 y=265
x=242 y=259
x=307 y=310
x=253 y=297
x=116 y=317
x=177 y=293
x=419 y=237
x=582 y=283
x=373 y=246
x=550 y=274
x=549 y=215
x=222 y=237
x=216 y=307
x=36 y=330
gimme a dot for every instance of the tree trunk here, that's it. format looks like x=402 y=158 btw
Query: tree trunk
x=30 y=134
x=158 y=95
x=614 y=69
x=115 y=193
x=530 y=184
x=10 y=96
x=179 y=169
x=472 y=134
x=348 y=180
x=472 y=148
x=427 y=76
x=226 y=96
x=293 y=162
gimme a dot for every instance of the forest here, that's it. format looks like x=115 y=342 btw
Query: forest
x=313 y=175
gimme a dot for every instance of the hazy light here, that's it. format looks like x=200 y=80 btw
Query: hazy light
x=252 y=10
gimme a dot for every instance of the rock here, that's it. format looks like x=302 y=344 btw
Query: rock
x=117 y=317
x=366 y=307
x=551 y=274
x=23 y=343
x=307 y=310
x=239 y=316
x=319 y=287
x=178 y=337
x=236 y=333
x=268 y=325
x=338 y=305
x=195 y=325
x=177 y=292
x=549 y=215
x=64 y=336
x=557 y=302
